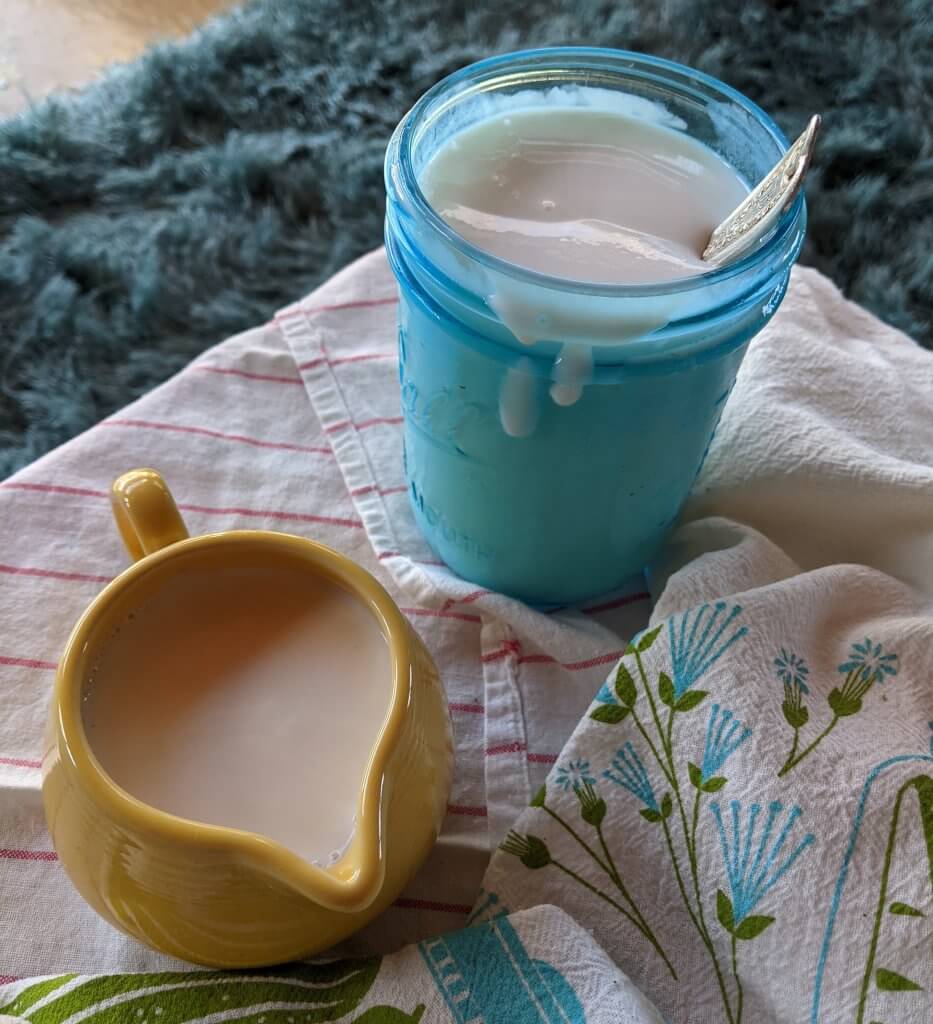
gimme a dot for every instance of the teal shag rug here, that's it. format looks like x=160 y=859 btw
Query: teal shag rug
x=187 y=196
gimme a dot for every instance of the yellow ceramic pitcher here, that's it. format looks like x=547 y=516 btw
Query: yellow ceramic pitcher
x=216 y=895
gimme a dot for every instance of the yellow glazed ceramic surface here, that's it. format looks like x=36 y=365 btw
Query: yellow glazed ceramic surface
x=215 y=895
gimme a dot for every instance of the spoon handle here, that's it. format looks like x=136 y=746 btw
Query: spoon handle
x=763 y=206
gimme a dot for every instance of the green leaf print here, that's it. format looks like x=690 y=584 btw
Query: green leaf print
x=724 y=911
x=649 y=638
x=713 y=785
x=666 y=689
x=905 y=909
x=538 y=799
x=610 y=714
x=592 y=810
x=34 y=993
x=751 y=927
x=925 y=796
x=887 y=980
x=667 y=806
x=891 y=981
x=690 y=700
x=625 y=686
x=316 y=993
x=649 y=815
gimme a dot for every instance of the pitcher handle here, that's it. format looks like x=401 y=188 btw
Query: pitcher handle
x=147 y=516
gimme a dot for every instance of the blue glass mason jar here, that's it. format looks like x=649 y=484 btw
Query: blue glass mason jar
x=551 y=502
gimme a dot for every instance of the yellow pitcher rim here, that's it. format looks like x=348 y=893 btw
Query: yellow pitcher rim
x=347 y=894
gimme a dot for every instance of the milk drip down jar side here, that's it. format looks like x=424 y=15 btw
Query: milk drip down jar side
x=554 y=428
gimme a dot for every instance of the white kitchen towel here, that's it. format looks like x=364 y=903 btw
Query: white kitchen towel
x=535 y=967
x=295 y=426
x=239 y=440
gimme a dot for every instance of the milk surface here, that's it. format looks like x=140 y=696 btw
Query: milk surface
x=583 y=194
x=250 y=698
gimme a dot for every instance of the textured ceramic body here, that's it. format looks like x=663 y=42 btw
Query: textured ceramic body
x=589 y=494
x=214 y=895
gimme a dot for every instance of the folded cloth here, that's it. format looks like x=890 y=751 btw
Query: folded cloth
x=745 y=814
x=296 y=426
x=292 y=426
x=534 y=967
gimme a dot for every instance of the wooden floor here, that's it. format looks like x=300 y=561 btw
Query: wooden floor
x=47 y=45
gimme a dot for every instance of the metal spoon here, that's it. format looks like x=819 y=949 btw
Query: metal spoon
x=761 y=209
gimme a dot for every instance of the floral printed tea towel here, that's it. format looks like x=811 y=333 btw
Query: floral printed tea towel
x=745 y=815
x=535 y=967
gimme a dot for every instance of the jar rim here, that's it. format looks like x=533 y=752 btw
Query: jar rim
x=399 y=152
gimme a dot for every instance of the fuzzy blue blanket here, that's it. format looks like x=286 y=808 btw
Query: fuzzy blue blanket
x=188 y=195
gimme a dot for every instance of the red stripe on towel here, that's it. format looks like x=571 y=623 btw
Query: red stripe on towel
x=383 y=492
x=435 y=613
x=299 y=517
x=205 y=432
x=510 y=647
x=28 y=663
x=336 y=307
x=20 y=762
x=516 y=747
x=468 y=812
x=232 y=371
x=54 y=574
x=81 y=492
x=360 y=357
x=376 y=421
x=514 y=647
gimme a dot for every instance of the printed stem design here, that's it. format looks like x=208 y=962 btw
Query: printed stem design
x=609 y=867
x=639 y=725
x=791 y=763
x=696 y=818
x=699 y=926
x=669 y=770
x=924 y=786
x=843 y=702
x=580 y=880
x=738 y=981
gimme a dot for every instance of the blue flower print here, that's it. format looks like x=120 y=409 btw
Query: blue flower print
x=628 y=772
x=755 y=861
x=724 y=735
x=696 y=652
x=574 y=775
x=870 y=662
x=792 y=670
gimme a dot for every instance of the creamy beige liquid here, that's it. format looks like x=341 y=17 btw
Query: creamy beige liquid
x=583 y=194
x=250 y=698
